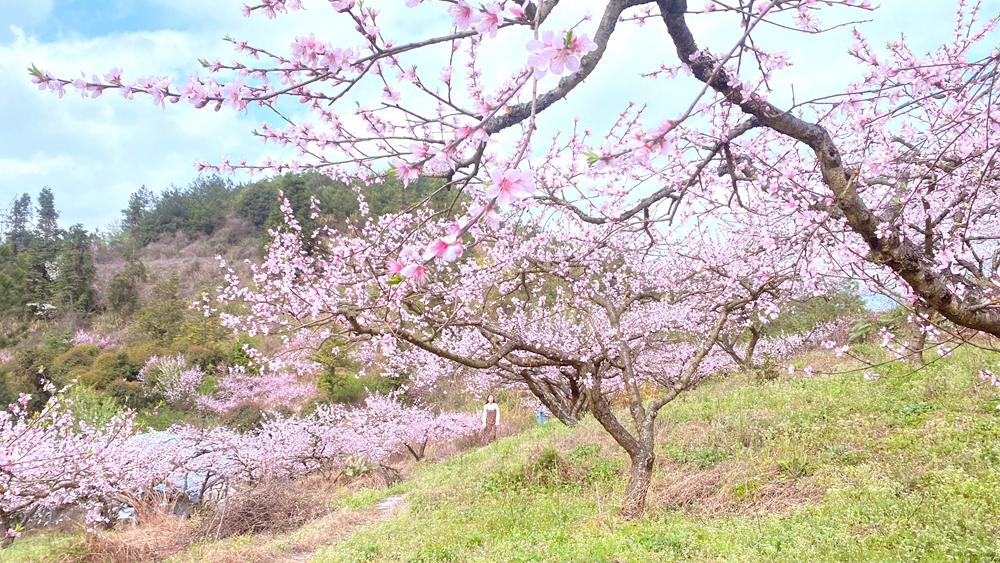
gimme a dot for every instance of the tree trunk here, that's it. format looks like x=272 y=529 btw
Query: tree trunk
x=6 y=523
x=916 y=345
x=639 y=478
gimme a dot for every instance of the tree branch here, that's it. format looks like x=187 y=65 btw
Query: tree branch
x=954 y=296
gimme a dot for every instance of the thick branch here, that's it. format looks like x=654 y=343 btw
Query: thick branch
x=903 y=257
x=602 y=412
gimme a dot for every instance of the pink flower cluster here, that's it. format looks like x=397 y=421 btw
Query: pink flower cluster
x=84 y=337
x=51 y=458
x=558 y=53
x=269 y=389
x=170 y=377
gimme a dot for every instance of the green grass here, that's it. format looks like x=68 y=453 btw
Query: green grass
x=792 y=469
x=41 y=547
x=904 y=468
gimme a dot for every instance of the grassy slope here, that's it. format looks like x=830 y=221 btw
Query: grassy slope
x=827 y=468
x=822 y=468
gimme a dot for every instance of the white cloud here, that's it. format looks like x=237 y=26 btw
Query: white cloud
x=94 y=153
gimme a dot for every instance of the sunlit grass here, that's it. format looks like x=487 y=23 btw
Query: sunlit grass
x=818 y=468
x=814 y=468
x=43 y=547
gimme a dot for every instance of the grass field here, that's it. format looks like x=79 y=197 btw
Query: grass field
x=799 y=469
x=821 y=468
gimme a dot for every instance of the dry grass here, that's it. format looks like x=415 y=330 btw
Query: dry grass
x=730 y=488
x=276 y=547
x=275 y=506
x=379 y=478
x=333 y=526
x=277 y=522
x=158 y=538
x=159 y=535
x=684 y=491
x=193 y=259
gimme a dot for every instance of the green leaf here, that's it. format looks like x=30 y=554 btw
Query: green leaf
x=592 y=157
x=394 y=280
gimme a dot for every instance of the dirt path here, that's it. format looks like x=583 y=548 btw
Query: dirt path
x=345 y=524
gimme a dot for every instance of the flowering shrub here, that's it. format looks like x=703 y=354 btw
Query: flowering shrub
x=171 y=379
x=84 y=337
x=270 y=389
x=53 y=459
x=50 y=459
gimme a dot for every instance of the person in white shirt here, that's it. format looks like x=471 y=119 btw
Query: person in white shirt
x=491 y=419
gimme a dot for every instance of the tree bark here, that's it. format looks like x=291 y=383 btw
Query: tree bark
x=639 y=478
x=6 y=523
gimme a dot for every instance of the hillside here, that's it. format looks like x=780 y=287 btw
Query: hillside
x=828 y=468
x=128 y=290
x=798 y=468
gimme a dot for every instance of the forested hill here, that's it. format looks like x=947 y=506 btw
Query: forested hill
x=132 y=281
x=213 y=210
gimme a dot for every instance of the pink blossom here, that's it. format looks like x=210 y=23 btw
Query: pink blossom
x=556 y=54
x=232 y=94
x=114 y=76
x=490 y=19
x=510 y=185
x=404 y=171
x=394 y=267
x=449 y=248
x=475 y=134
x=464 y=15
x=491 y=217
x=416 y=271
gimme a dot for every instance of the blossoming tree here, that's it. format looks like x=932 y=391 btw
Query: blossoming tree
x=50 y=459
x=901 y=166
x=648 y=239
x=580 y=315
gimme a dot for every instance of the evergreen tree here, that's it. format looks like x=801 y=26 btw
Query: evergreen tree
x=48 y=218
x=42 y=255
x=74 y=282
x=13 y=316
x=256 y=203
x=123 y=291
x=160 y=319
x=17 y=224
x=140 y=204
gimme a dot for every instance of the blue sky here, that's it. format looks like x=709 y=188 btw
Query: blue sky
x=94 y=153
x=50 y=20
